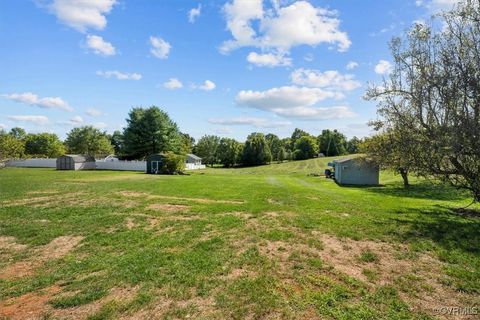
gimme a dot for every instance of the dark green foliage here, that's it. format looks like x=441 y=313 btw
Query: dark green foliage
x=150 y=131
x=229 y=152
x=206 y=148
x=353 y=145
x=44 y=145
x=11 y=147
x=187 y=143
x=116 y=139
x=88 y=140
x=332 y=143
x=172 y=163
x=274 y=143
x=305 y=148
x=297 y=134
x=18 y=133
x=256 y=150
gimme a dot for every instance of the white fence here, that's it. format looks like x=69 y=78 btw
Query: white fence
x=101 y=165
x=32 y=163
x=122 y=165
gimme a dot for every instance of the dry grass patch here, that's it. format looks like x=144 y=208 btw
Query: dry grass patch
x=118 y=294
x=56 y=249
x=168 y=207
x=10 y=243
x=149 y=196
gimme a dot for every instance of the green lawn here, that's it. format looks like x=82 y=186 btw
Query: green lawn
x=267 y=242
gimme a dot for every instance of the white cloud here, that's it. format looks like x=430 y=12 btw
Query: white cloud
x=281 y=28
x=331 y=79
x=207 y=86
x=352 y=65
x=33 y=100
x=92 y=112
x=294 y=102
x=77 y=120
x=100 y=46
x=173 y=83
x=194 y=13
x=119 y=75
x=268 y=59
x=250 y=121
x=160 y=48
x=2 y=126
x=38 y=120
x=82 y=14
x=383 y=67
x=100 y=125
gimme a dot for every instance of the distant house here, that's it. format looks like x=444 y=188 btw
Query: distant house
x=193 y=162
x=355 y=171
x=75 y=162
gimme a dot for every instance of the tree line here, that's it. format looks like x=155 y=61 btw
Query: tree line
x=151 y=130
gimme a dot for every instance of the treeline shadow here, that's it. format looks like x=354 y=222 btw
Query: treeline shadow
x=442 y=225
x=422 y=190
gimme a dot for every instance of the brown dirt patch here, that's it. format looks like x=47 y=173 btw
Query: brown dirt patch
x=423 y=271
x=10 y=243
x=168 y=207
x=129 y=223
x=56 y=249
x=28 y=306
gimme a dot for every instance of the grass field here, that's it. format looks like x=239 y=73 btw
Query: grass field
x=268 y=242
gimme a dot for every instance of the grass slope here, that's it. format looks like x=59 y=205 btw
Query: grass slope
x=262 y=242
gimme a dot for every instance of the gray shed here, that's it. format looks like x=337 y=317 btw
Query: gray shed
x=356 y=171
x=75 y=162
x=191 y=158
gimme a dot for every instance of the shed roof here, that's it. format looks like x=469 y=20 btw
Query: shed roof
x=78 y=158
x=191 y=155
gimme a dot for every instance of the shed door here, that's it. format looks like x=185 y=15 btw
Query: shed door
x=156 y=166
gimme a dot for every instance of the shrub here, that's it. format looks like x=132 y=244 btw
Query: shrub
x=172 y=163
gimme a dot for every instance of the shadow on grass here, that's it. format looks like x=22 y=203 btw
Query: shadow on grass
x=422 y=190
x=444 y=227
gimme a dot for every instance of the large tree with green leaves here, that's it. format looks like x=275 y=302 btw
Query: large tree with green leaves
x=229 y=152
x=332 y=143
x=88 y=140
x=306 y=147
x=433 y=93
x=274 y=143
x=44 y=145
x=10 y=146
x=150 y=131
x=206 y=148
x=256 y=150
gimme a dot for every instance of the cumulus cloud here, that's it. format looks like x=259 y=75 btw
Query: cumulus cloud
x=250 y=121
x=34 y=100
x=100 y=46
x=82 y=14
x=194 y=13
x=206 y=86
x=383 y=67
x=331 y=79
x=268 y=59
x=92 y=112
x=352 y=65
x=294 y=102
x=160 y=48
x=38 y=120
x=119 y=75
x=281 y=28
x=173 y=83
x=437 y=5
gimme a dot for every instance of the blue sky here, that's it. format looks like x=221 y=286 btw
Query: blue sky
x=217 y=67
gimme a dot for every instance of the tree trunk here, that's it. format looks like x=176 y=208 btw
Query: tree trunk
x=404 y=173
